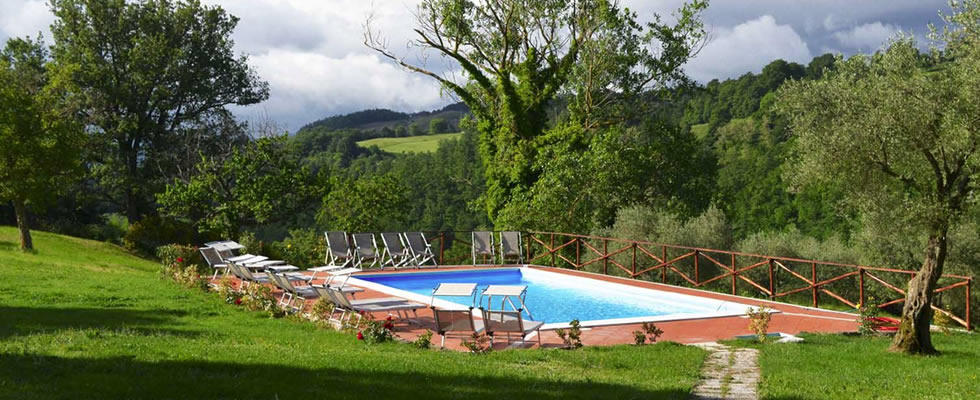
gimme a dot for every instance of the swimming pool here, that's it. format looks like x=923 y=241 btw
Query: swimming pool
x=557 y=298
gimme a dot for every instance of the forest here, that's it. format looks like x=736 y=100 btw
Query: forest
x=639 y=151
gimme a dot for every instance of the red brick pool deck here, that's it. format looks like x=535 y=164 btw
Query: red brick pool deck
x=791 y=319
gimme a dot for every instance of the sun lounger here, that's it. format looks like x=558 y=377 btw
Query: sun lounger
x=483 y=246
x=510 y=246
x=247 y=276
x=508 y=322
x=214 y=260
x=456 y=322
x=419 y=249
x=455 y=290
x=394 y=254
x=292 y=292
x=339 y=252
x=365 y=249
x=387 y=304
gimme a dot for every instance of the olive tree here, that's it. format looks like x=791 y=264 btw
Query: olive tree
x=895 y=135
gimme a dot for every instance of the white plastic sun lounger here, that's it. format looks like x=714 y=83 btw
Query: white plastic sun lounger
x=419 y=249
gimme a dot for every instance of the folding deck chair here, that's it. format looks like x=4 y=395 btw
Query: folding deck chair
x=386 y=304
x=214 y=260
x=510 y=246
x=509 y=322
x=456 y=322
x=293 y=292
x=365 y=248
x=483 y=246
x=419 y=249
x=394 y=254
x=339 y=253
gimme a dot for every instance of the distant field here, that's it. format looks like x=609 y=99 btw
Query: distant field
x=412 y=144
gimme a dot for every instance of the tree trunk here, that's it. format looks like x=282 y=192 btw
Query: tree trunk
x=913 y=335
x=26 y=243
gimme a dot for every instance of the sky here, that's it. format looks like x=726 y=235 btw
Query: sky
x=311 y=51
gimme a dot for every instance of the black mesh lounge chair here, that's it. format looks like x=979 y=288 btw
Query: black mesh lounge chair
x=214 y=260
x=365 y=249
x=339 y=252
x=510 y=247
x=483 y=246
x=394 y=254
x=508 y=322
x=420 y=250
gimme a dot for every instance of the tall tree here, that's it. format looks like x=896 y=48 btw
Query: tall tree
x=518 y=56
x=143 y=71
x=895 y=135
x=40 y=139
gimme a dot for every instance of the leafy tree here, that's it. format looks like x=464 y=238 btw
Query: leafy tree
x=438 y=125
x=143 y=71
x=41 y=141
x=260 y=183
x=897 y=136
x=519 y=55
x=372 y=204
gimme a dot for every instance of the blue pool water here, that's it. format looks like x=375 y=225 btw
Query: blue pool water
x=553 y=297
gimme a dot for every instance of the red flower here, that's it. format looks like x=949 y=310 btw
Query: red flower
x=238 y=301
x=180 y=259
x=360 y=336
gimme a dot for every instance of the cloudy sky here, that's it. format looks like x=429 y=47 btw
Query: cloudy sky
x=311 y=52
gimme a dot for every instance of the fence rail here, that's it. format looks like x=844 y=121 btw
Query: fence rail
x=777 y=278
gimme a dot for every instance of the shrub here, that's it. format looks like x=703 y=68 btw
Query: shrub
x=869 y=312
x=257 y=297
x=154 y=231
x=322 y=310
x=226 y=290
x=571 y=337
x=639 y=337
x=479 y=345
x=424 y=341
x=376 y=331
x=177 y=253
x=303 y=248
x=759 y=321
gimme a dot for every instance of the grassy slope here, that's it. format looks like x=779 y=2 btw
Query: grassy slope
x=411 y=144
x=85 y=319
x=842 y=367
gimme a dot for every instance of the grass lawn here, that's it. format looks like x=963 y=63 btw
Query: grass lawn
x=411 y=144
x=850 y=367
x=82 y=319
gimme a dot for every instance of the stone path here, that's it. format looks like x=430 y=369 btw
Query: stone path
x=728 y=373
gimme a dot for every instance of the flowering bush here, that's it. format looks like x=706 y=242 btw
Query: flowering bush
x=226 y=289
x=479 y=345
x=180 y=254
x=322 y=310
x=759 y=321
x=258 y=297
x=376 y=331
x=571 y=337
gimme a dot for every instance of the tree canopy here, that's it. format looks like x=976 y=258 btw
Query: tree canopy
x=895 y=135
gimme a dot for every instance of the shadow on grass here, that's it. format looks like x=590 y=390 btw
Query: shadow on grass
x=5 y=245
x=57 y=377
x=19 y=321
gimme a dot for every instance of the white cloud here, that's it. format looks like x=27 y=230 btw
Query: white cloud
x=747 y=47
x=306 y=86
x=867 y=37
x=24 y=18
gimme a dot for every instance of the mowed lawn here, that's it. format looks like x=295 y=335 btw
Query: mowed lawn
x=853 y=367
x=411 y=144
x=83 y=319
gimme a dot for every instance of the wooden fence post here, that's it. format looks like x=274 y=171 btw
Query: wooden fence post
x=861 y=284
x=578 y=250
x=553 y=263
x=734 y=277
x=663 y=269
x=968 y=323
x=633 y=275
x=605 y=260
x=813 y=275
x=697 y=281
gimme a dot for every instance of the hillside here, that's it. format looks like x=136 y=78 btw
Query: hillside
x=86 y=319
x=411 y=144
x=377 y=119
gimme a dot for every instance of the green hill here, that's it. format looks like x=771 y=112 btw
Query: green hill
x=411 y=144
x=84 y=319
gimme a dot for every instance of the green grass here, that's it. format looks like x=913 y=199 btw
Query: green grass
x=411 y=144
x=854 y=367
x=82 y=319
